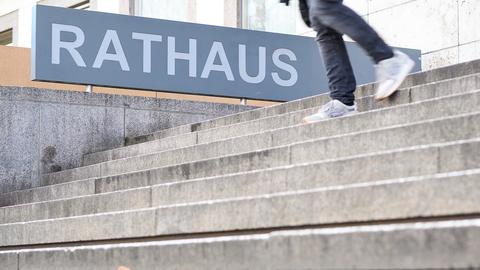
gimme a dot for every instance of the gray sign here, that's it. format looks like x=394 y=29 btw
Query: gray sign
x=93 y=48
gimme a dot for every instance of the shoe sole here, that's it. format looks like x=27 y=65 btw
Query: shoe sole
x=403 y=74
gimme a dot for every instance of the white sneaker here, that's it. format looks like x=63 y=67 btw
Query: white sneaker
x=391 y=73
x=332 y=109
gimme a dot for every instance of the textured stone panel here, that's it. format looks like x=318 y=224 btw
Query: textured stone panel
x=70 y=131
x=428 y=25
x=376 y=5
x=140 y=122
x=9 y=261
x=469 y=14
x=19 y=125
x=469 y=52
x=360 y=6
x=440 y=58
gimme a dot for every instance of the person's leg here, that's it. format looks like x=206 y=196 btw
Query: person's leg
x=340 y=75
x=341 y=79
x=334 y=14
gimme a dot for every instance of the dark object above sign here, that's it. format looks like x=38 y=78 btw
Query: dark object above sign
x=94 y=48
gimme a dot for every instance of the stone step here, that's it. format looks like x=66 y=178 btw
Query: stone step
x=434 y=108
x=419 y=93
x=454 y=194
x=430 y=245
x=216 y=188
x=433 y=131
x=276 y=179
x=438 y=130
x=399 y=115
x=445 y=73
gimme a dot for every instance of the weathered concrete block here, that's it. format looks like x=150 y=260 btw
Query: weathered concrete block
x=85 y=205
x=403 y=32
x=469 y=52
x=469 y=12
x=54 y=192
x=48 y=131
x=95 y=227
x=9 y=261
x=432 y=245
x=69 y=131
x=19 y=144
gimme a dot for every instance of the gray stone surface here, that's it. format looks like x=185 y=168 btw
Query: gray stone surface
x=47 y=131
x=450 y=129
x=433 y=245
x=393 y=165
x=435 y=196
x=414 y=94
x=441 y=130
x=19 y=144
x=437 y=108
x=423 y=133
x=9 y=261
x=93 y=227
x=417 y=79
x=179 y=141
x=67 y=130
x=54 y=192
x=406 y=199
x=85 y=205
x=292 y=113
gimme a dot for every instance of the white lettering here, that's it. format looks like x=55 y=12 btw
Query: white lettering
x=242 y=60
x=224 y=66
x=284 y=66
x=70 y=46
x=147 y=48
x=191 y=57
x=111 y=37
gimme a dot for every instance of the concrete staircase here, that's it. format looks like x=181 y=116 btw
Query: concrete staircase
x=396 y=186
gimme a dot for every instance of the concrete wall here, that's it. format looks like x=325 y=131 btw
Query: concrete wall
x=48 y=130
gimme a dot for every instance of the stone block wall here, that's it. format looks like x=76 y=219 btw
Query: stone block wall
x=49 y=130
x=446 y=31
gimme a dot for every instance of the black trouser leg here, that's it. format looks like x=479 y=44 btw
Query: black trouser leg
x=331 y=19
x=334 y=14
x=341 y=79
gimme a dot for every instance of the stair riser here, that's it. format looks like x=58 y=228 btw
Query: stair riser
x=386 y=166
x=326 y=128
x=427 y=198
x=410 y=95
x=464 y=69
x=304 y=152
x=460 y=104
x=365 y=104
x=405 y=136
x=412 y=248
x=452 y=129
x=181 y=140
x=404 y=114
x=451 y=196
x=393 y=165
x=66 y=190
x=130 y=199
